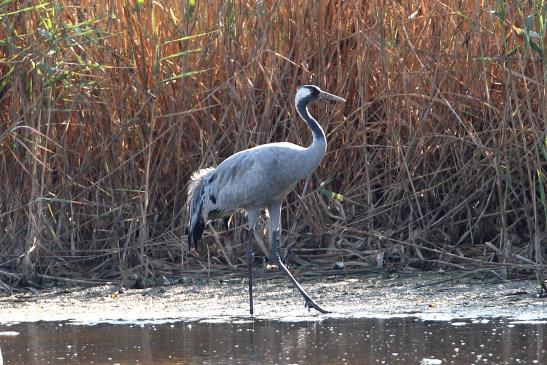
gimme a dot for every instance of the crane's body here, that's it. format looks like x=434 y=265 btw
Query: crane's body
x=255 y=179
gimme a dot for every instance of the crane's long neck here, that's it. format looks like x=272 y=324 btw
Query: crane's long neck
x=316 y=151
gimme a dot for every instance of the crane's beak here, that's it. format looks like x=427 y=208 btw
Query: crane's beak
x=326 y=95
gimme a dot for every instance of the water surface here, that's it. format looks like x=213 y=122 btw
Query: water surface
x=332 y=341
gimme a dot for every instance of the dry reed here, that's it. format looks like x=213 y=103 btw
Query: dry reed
x=439 y=155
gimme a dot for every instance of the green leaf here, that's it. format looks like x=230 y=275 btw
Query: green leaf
x=30 y=8
x=541 y=181
x=541 y=190
x=6 y=79
x=183 y=75
x=512 y=52
x=157 y=60
x=230 y=17
x=536 y=48
x=525 y=35
x=544 y=148
x=528 y=22
x=154 y=24
x=500 y=11
x=520 y=32
x=188 y=37
x=190 y=8
x=328 y=193
x=541 y=16
x=178 y=54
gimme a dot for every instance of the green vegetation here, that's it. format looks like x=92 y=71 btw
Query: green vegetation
x=438 y=159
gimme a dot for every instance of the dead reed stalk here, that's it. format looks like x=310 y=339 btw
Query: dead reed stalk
x=438 y=157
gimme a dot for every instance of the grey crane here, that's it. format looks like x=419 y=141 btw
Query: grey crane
x=255 y=179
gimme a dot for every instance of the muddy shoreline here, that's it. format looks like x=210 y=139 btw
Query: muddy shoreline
x=430 y=296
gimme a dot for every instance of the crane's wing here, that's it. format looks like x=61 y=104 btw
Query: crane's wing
x=256 y=177
x=250 y=179
x=196 y=202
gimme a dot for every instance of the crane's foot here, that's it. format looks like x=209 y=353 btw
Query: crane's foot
x=311 y=304
x=277 y=263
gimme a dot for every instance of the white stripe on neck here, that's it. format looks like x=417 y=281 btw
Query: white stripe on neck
x=301 y=94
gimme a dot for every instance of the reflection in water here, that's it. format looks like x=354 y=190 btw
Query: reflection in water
x=347 y=341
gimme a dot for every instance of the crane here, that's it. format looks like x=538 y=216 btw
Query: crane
x=255 y=179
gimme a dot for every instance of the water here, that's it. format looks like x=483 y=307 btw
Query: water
x=332 y=341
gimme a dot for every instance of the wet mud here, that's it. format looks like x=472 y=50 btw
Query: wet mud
x=425 y=295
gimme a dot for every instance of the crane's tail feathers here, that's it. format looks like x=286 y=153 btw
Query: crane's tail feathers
x=196 y=194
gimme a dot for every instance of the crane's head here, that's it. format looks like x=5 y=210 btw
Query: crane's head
x=309 y=93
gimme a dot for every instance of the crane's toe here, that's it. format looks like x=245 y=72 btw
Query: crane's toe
x=274 y=261
x=271 y=267
x=310 y=304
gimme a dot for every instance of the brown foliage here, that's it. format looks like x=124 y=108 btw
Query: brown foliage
x=107 y=108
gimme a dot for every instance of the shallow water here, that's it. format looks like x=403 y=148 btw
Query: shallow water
x=332 y=341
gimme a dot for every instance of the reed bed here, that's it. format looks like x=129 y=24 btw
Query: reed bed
x=437 y=160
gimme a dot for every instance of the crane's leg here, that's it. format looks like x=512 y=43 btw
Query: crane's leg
x=252 y=217
x=250 y=258
x=275 y=218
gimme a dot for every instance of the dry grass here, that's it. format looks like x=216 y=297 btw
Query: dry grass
x=106 y=109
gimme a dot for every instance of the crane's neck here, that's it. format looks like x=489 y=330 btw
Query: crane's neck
x=316 y=151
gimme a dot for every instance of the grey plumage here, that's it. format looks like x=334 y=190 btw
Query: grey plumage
x=257 y=178
x=252 y=179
